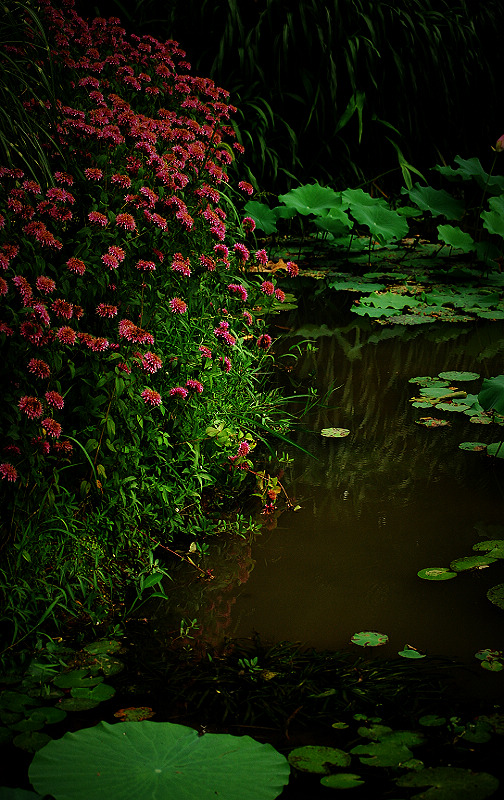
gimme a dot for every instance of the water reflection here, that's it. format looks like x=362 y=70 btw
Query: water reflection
x=388 y=500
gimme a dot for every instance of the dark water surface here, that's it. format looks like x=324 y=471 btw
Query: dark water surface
x=390 y=499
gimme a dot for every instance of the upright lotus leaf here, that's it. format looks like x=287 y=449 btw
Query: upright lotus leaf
x=459 y=376
x=471 y=562
x=455 y=237
x=491 y=395
x=318 y=760
x=493 y=220
x=436 y=574
x=369 y=639
x=384 y=224
x=149 y=760
x=450 y=783
x=437 y=201
x=496 y=449
x=496 y=595
x=358 y=197
x=311 y=199
x=336 y=221
x=264 y=218
x=342 y=780
x=471 y=169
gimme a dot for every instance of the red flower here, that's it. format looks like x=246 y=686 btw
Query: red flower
x=66 y=335
x=106 y=310
x=126 y=221
x=179 y=391
x=52 y=427
x=8 y=472
x=177 y=306
x=45 y=285
x=76 y=265
x=194 y=386
x=55 y=400
x=150 y=397
x=97 y=219
x=246 y=187
x=31 y=406
x=267 y=287
x=39 y=368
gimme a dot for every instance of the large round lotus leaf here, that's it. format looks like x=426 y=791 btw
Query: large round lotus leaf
x=496 y=449
x=436 y=574
x=473 y=446
x=311 y=198
x=154 y=760
x=496 y=595
x=450 y=783
x=471 y=562
x=369 y=638
x=491 y=394
x=431 y=422
x=334 y=433
x=319 y=760
x=459 y=376
x=343 y=780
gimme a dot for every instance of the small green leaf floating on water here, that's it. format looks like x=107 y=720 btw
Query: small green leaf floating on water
x=137 y=762
x=410 y=652
x=473 y=446
x=471 y=562
x=451 y=783
x=436 y=574
x=369 y=639
x=334 y=433
x=459 y=376
x=343 y=780
x=496 y=595
x=490 y=659
x=432 y=721
x=431 y=422
x=318 y=759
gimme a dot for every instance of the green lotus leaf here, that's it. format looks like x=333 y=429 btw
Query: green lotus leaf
x=491 y=395
x=471 y=562
x=493 y=220
x=6 y=735
x=494 y=547
x=15 y=701
x=94 y=693
x=421 y=404
x=459 y=376
x=264 y=218
x=455 y=237
x=471 y=169
x=475 y=446
x=108 y=665
x=496 y=595
x=76 y=678
x=453 y=405
x=103 y=647
x=311 y=199
x=135 y=714
x=432 y=720
x=144 y=760
x=6 y=793
x=392 y=750
x=354 y=284
x=342 y=780
x=390 y=300
x=485 y=655
x=410 y=652
x=432 y=422
x=496 y=449
x=369 y=639
x=494 y=315
x=479 y=731
x=31 y=741
x=433 y=391
x=375 y=731
x=340 y=725
x=385 y=225
x=48 y=715
x=318 y=759
x=492 y=666
x=334 y=433
x=77 y=704
x=450 y=783
x=436 y=574
x=437 y=201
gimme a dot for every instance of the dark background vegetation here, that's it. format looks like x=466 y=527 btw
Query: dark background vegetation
x=332 y=90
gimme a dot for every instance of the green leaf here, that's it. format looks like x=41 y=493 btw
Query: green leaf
x=264 y=218
x=471 y=562
x=459 y=376
x=318 y=759
x=436 y=574
x=342 y=780
x=385 y=225
x=311 y=199
x=469 y=169
x=496 y=449
x=496 y=595
x=473 y=446
x=455 y=237
x=96 y=693
x=77 y=677
x=410 y=652
x=450 y=783
x=144 y=760
x=31 y=741
x=6 y=793
x=491 y=395
x=432 y=720
x=432 y=422
x=334 y=433
x=437 y=201
x=369 y=639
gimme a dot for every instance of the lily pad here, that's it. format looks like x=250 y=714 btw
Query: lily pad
x=432 y=720
x=135 y=714
x=77 y=704
x=496 y=449
x=143 y=760
x=436 y=574
x=473 y=446
x=16 y=701
x=31 y=741
x=94 y=693
x=450 y=783
x=410 y=652
x=494 y=547
x=471 y=562
x=459 y=376
x=432 y=422
x=103 y=647
x=496 y=595
x=493 y=666
x=391 y=751
x=76 y=678
x=484 y=655
x=369 y=639
x=343 y=780
x=318 y=760
x=334 y=433
x=428 y=381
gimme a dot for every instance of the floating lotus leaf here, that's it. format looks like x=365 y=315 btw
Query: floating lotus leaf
x=496 y=595
x=369 y=638
x=76 y=678
x=471 y=562
x=392 y=750
x=474 y=446
x=432 y=720
x=428 y=381
x=108 y=665
x=31 y=741
x=493 y=315
x=481 y=419
x=318 y=760
x=492 y=666
x=436 y=574
x=454 y=405
x=491 y=395
x=78 y=704
x=459 y=376
x=422 y=404
x=144 y=760
x=135 y=714
x=94 y=693
x=6 y=793
x=103 y=647
x=450 y=783
x=375 y=731
x=15 y=701
x=433 y=391
x=432 y=422
x=334 y=433
x=410 y=652
x=494 y=547
x=340 y=725
x=343 y=780
x=496 y=449
x=47 y=715
x=488 y=654
x=479 y=731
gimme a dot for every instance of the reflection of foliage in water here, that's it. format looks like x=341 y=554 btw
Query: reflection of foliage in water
x=385 y=455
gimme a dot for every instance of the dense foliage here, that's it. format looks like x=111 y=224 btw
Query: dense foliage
x=132 y=323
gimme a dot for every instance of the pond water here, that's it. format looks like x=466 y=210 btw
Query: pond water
x=391 y=498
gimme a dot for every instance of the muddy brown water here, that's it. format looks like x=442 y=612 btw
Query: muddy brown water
x=388 y=500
